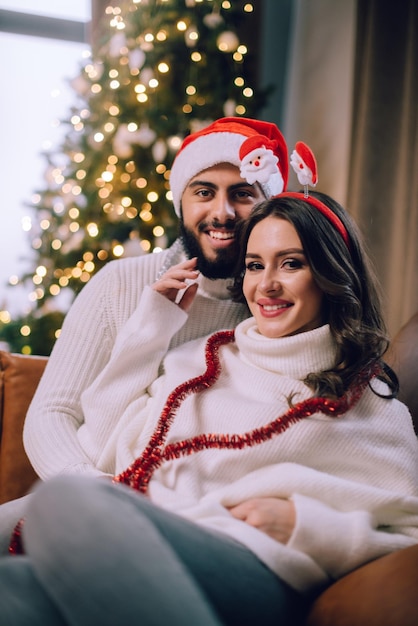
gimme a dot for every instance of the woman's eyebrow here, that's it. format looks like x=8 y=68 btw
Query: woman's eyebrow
x=254 y=255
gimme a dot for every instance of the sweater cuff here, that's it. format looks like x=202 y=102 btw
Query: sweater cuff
x=156 y=316
x=337 y=541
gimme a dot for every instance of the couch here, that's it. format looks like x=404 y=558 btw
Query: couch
x=381 y=593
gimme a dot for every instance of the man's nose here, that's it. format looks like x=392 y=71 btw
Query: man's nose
x=223 y=209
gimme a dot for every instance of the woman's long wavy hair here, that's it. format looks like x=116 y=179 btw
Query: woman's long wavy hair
x=352 y=301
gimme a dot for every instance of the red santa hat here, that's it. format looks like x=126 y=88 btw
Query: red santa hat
x=258 y=148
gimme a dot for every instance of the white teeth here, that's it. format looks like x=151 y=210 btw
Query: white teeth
x=216 y=234
x=274 y=307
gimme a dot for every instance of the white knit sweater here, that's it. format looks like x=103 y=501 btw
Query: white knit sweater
x=85 y=345
x=353 y=479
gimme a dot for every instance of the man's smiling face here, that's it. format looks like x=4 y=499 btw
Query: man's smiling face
x=212 y=204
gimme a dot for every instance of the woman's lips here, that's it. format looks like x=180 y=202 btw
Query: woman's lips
x=273 y=308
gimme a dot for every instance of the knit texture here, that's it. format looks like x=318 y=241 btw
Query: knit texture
x=101 y=310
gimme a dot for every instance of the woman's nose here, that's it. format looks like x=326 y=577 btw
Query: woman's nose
x=269 y=283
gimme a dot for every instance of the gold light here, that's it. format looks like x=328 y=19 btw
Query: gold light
x=5 y=317
x=118 y=250
x=158 y=231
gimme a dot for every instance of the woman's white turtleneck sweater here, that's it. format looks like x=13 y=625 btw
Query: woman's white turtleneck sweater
x=353 y=479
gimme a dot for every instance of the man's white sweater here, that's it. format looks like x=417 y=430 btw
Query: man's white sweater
x=353 y=479
x=86 y=342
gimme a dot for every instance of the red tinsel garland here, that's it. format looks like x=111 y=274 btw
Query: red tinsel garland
x=139 y=473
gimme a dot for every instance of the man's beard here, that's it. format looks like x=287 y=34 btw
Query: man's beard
x=222 y=267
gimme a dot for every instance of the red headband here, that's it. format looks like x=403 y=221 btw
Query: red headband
x=326 y=211
x=303 y=162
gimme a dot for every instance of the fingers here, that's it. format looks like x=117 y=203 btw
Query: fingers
x=180 y=269
x=176 y=278
x=275 y=517
x=240 y=511
x=176 y=274
x=188 y=297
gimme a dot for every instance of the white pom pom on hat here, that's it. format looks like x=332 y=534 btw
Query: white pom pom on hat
x=256 y=147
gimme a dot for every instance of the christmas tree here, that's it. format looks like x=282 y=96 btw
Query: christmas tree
x=160 y=69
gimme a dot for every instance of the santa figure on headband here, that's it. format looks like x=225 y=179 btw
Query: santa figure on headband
x=259 y=162
x=303 y=162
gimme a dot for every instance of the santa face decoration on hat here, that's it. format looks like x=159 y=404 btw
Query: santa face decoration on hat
x=256 y=147
x=259 y=163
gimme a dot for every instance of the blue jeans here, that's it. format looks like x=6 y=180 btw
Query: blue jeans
x=99 y=553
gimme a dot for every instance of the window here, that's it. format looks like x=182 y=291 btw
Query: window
x=36 y=94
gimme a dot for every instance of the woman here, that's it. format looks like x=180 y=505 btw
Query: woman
x=274 y=458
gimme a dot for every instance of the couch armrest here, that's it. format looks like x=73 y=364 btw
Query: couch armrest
x=381 y=593
x=19 y=377
x=403 y=358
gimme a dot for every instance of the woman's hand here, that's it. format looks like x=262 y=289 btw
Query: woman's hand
x=174 y=280
x=274 y=516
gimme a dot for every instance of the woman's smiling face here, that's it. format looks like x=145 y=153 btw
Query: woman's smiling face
x=278 y=283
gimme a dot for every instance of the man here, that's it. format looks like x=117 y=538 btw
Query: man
x=218 y=175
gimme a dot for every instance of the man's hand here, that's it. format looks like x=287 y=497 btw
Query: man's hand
x=274 y=516
x=177 y=278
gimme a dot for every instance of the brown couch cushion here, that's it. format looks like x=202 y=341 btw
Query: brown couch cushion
x=19 y=377
x=381 y=593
